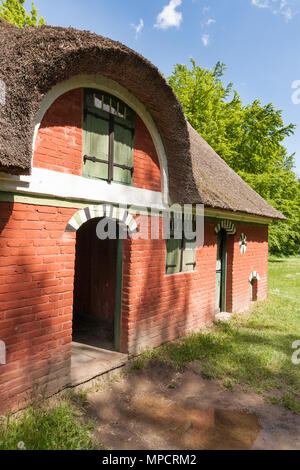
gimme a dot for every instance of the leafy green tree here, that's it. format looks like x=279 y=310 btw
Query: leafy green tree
x=249 y=138
x=14 y=12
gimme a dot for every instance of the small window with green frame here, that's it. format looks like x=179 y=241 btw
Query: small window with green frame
x=108 y=134
x=181 y=254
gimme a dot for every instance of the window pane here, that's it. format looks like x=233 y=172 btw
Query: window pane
x=128 y=119
x=123 y=153
x=173 y=256
x=99 y=104
x=96 y=144
x=189 y=255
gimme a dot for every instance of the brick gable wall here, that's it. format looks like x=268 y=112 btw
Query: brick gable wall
x=58 y=144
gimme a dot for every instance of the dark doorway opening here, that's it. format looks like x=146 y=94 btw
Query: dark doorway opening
x=94 y=305
x=221 y=272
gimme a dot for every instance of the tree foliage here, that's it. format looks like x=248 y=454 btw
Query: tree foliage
x=15 y=12
x=249 y=138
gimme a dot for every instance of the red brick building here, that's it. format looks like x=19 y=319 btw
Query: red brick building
x=88 y=125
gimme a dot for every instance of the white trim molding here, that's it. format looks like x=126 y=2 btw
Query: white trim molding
x=236 y=216
x=110 y=86
x=48 y=183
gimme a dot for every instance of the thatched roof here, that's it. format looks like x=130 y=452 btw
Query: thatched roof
x=219 y=186
x=33 y=60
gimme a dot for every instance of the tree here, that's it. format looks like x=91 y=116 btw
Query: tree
x=14 y=12
x=249 y=138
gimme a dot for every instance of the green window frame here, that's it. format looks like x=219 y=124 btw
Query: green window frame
x=181 y=254
x=108 y=133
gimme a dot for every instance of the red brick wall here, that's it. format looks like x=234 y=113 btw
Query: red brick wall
x=59 y=143
x=146 y=166
x=255 y=259
x=36 y=296
x=157 y=308
x=59 y=140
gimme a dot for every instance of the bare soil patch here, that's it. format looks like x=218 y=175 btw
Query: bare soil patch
x=162 y=408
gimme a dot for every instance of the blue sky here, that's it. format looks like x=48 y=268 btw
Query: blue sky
x=258 y=40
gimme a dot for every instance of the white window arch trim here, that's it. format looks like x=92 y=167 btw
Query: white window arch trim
x=254 y=276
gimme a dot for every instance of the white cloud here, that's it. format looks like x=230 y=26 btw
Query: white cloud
x=205 y=39
x=278 y=7
x=210 y=21
x=261 y=3
x=138 y=28
x=287 y=13
x=169 y=17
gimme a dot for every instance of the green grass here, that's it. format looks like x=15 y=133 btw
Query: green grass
x=45 y=426
x=254 y=351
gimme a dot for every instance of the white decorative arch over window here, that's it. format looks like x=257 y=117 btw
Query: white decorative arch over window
x=100 y=211
x=2 y=353
x=227 y=225
x=254 y=276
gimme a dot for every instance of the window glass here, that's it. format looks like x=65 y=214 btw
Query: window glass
x=181 y=254
x=108 y=138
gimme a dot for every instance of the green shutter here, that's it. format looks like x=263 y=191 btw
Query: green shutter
x=173 y=256
x=189 y=255
x=106 y=117
x=96 y=144
x=123 y=154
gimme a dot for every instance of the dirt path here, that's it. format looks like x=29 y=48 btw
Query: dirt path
x=161 y=409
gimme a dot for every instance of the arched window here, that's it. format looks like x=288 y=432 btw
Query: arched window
x=108 y=137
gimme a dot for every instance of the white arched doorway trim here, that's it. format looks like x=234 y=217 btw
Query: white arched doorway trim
x=99 y=211
x=110 y=86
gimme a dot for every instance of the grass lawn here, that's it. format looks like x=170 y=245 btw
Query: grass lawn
x=56 y=425
x=254 y=351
